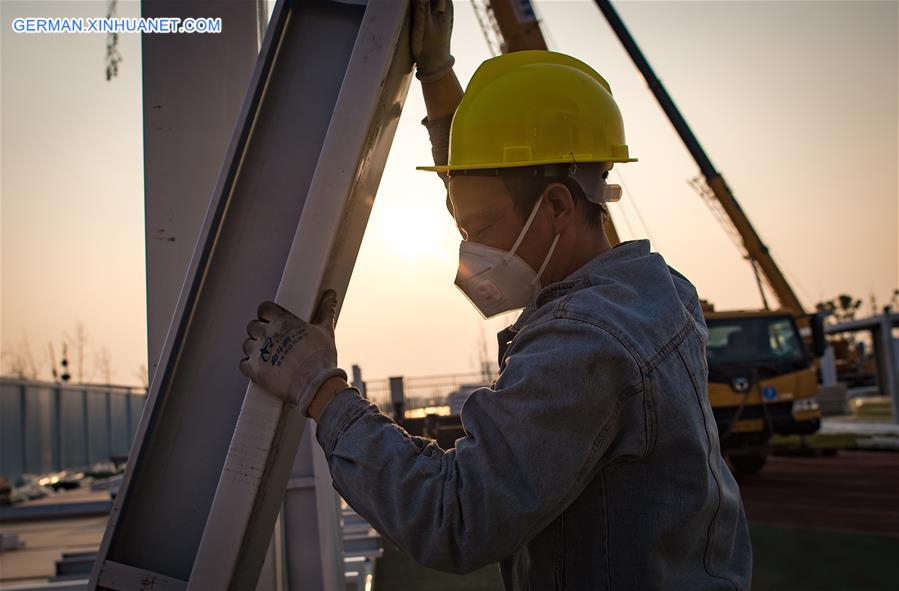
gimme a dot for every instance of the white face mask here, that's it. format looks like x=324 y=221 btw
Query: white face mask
x=495 y=280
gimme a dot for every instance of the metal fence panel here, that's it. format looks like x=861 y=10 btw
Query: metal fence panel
x=40 y=435
x=119 y=437
x=73 y=429
x=46 y=427
x=12 y=434
x=98 y=421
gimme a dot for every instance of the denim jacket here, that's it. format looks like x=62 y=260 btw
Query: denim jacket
x=591 y=463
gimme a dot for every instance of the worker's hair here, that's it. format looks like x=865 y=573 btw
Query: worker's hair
x=526 y=184
x=526 y=189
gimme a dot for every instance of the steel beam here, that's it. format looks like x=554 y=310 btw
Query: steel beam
x=212 y=457
x=193 y=88
x=323 y=254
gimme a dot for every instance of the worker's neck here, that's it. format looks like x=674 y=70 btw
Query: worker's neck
x=582 y=250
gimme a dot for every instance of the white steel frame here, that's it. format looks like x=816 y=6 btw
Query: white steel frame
x=286 y=220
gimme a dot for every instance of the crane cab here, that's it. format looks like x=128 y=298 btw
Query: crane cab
x=762 y=381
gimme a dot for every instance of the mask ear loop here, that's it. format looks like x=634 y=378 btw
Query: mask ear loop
x=524 y=230
x=572 y=169
x=549 y=256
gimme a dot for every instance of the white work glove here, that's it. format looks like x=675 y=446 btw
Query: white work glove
x=289 y=357
x=432 y=26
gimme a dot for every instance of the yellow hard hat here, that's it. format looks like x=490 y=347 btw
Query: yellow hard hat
x=529 y=108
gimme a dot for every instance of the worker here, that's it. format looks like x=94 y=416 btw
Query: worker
x=593 y=460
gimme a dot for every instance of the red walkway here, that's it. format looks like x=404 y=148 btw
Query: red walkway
x=853 y=491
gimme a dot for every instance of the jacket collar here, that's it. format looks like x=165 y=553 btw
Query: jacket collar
x=621 y=253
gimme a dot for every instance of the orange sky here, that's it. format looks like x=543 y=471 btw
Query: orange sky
x=795 y=102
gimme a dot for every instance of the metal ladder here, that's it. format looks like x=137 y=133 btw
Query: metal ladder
x=212 y=457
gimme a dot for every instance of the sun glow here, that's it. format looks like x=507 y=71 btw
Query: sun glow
x=415 y=232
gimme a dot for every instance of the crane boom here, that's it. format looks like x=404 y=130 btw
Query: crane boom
x=518 y=25
x=755 y=248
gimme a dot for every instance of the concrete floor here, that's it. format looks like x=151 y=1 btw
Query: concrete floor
x=857 y=426
x=47 y=540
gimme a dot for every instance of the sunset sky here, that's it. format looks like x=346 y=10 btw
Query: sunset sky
x=795 y=103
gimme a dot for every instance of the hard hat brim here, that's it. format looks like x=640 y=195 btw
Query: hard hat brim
x=451 y=168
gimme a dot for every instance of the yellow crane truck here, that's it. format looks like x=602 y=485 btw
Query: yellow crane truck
x=762 y=381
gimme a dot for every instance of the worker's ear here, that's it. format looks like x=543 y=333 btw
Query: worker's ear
x=562 y=205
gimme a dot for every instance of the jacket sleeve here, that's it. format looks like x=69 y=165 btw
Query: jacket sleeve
x=438 y=132
x=532 y=444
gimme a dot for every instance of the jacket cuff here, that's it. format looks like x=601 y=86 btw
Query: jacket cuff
x=342 y=411
x=438 y=133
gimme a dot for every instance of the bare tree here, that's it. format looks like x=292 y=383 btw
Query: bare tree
x=113 y=57
x=51 y=354
x=78 y=341
x=20 y=362
x=104 y=364
x=842 y=308
x=894 y=302
x=142 y=375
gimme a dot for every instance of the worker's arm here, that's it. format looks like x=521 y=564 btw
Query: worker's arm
x=432 y=29
x=442 y=96
x=568 y=401
x=432 y=26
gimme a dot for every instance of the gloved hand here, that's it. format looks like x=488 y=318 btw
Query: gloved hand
x=289 y=357
x=432 y=26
